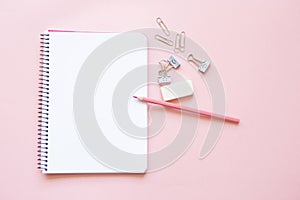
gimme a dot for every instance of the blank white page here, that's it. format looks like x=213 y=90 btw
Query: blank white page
x=66 y=151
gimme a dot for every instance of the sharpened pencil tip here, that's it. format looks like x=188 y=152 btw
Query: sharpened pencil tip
x=135 y=97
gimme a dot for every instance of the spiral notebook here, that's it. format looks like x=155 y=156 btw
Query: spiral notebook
x=88 y=120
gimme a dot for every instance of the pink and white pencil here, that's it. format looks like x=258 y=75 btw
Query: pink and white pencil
x=192 y=110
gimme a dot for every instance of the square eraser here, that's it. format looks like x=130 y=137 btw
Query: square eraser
x=177 y=90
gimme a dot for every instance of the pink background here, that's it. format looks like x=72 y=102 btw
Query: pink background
x=255 y=46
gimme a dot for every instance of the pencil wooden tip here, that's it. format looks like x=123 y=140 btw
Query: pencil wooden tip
x=139 y=98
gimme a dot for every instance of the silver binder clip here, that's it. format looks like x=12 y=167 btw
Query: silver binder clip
x=163 y=80
x=163 y=26
x=172 y=61
x=202 y=65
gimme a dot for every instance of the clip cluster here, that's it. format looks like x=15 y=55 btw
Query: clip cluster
x=166 y=66
x=179 y=46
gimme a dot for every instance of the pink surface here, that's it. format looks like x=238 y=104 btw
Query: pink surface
x=255 y=46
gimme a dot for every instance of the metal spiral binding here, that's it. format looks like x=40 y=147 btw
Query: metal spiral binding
x=43 y=105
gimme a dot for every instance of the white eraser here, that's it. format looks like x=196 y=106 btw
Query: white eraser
x=177 y=90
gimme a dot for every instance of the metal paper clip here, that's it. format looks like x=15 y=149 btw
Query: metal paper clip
x=182 y=41
x=177 y=43
x=202 y=65
x=163 y=26
x=164 y=40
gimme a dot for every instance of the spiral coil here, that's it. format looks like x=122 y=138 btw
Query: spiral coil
x=43 y=103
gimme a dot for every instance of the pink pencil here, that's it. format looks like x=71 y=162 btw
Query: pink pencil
x=192 y=110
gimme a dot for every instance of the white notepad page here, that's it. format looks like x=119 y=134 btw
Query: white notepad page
x=67 y=153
